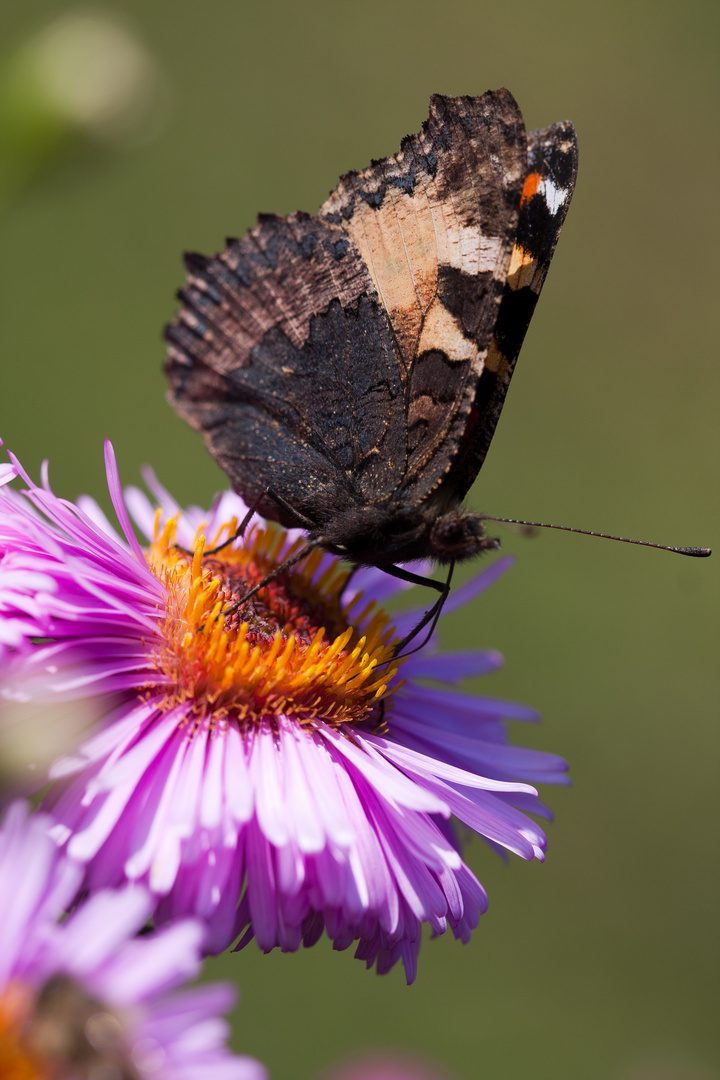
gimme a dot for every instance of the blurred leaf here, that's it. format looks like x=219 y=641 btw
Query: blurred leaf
x=83 y=81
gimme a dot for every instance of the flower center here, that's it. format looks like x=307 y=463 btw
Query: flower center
x=59 y=1033
x=290 y=649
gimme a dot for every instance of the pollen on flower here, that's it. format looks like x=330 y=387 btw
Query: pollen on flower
x=16 y=1060
x=291 y=649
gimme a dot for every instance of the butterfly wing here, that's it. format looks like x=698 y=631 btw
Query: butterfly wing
x=283 y=357
x=338 y=359
x=547 y=190
x=435 y=225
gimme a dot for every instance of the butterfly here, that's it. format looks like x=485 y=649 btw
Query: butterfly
x=348 y=370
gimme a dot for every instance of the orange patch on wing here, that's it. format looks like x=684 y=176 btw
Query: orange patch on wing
x=530 y=187
x=523 y=270
x=496 y=359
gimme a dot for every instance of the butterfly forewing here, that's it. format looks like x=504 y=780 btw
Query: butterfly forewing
x=435 y=225
x=547 y=190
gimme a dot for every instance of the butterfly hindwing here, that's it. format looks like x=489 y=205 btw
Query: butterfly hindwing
x=284 y=359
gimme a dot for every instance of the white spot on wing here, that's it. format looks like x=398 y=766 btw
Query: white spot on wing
x=553 y=195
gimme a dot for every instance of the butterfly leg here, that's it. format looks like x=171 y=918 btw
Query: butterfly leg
x=351 y=574
x=237 y=535
x=239 y=532
x=291 y=561
x=431 y=615
x=381 y=727
x=414 y=579
x=303 y=522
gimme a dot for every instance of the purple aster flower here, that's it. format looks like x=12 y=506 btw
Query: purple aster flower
x=81 y=999
x=242 y=769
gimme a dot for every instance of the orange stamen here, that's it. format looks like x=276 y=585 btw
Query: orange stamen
x=293 y=652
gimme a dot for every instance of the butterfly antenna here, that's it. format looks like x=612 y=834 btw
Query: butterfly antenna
x=697 y=552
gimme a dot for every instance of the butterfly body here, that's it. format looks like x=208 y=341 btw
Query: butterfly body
x=402 y=532
x=348 y=370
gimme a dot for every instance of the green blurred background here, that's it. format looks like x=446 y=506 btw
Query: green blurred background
x=603 y=963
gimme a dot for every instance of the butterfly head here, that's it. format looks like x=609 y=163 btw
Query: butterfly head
x=459 y=534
